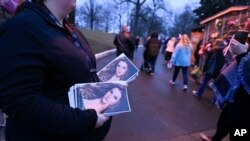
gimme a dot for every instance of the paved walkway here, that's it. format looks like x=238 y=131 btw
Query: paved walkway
x=161 y=112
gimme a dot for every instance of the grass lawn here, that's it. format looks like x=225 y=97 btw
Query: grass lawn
x=99 y=41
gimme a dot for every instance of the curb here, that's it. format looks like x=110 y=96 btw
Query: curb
x=104 y=54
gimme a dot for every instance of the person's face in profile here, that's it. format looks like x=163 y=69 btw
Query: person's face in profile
x=67 y=5
x=112 y=97
x=121 y=69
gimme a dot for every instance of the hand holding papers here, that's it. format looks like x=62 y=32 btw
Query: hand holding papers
x=108 y=97
x=111 y=97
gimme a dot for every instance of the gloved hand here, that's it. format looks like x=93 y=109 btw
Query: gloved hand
x=237 y=48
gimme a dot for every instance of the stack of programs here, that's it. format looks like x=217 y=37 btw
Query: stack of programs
x=88 y=95
x=112 y=90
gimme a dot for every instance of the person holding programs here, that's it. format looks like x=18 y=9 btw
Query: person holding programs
x=96 y=95
x=120 y=69
x=43 y=56
x=232 y=90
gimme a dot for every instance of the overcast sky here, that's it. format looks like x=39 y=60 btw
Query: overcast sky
x=176 y=4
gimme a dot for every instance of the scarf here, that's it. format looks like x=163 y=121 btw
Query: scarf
x=229 y=81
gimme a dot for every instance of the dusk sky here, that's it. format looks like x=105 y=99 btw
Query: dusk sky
x=176 y=4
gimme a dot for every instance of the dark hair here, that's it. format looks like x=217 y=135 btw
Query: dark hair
x=154 y=35
x=111 y=70
x=122 y=103
x=98 y=90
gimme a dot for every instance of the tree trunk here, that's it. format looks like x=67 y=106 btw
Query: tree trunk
x=137 y=12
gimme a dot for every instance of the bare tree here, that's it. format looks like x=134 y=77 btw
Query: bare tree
x=119 y=12
x=107 y=16
x=157 y=5
x=150 y=21
x=183 y=23
x=89 y=12
x=138 y=4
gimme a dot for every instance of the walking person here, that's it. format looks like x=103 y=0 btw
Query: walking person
x=181 y=59
x=196 y=54
x=232 y=88
x=213 y=66
x=137 y=41
x=43 y=56
x=124 y=43
x=169 y=49
x=152 y=48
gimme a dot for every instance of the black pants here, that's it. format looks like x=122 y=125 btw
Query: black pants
x=222 y=126
x=235 y=116
x=184 y=73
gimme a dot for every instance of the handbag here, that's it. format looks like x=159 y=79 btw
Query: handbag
x=197 y=72
x=169 y=65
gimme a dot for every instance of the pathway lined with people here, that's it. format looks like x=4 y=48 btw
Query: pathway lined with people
x=161 y=112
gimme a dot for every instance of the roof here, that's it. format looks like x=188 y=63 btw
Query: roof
x=197 y=29
x=231 y=9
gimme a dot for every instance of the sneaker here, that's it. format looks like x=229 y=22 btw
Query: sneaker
x=210 y=84
x=185 y=87
x=171 y=82
x=205 y=137
x=195 y=94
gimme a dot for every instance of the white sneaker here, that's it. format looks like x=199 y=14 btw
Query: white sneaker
x=210 y=84
x=194 y=92
x=171 y=82
x=185 y=87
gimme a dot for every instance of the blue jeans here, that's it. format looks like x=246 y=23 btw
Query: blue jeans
x=152 y=62
x=204 y=83
x=184 y=73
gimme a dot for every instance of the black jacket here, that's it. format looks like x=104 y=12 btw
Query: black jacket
x=124 y=44
x=39 y=63
x=152 y=48
x=214 y=63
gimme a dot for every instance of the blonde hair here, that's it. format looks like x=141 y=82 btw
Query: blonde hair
x=184 y=41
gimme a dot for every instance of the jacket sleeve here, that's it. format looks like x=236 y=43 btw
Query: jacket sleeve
x=175 y=53
x=115 y=42
x=22 y=73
